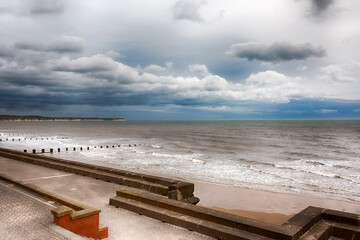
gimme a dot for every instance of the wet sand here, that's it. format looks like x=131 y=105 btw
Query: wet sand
x=274 y=218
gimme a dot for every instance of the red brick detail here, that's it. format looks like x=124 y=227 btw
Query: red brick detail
x=86 y=226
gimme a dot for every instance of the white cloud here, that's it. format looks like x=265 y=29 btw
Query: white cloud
x=95 y=63
x=152 y=68
x=302 y=68
x=268 y=86
x=326 y=111
x=113 y=54
x=169 y=65
x=339 y=73
x=272 y=86
x=199 y=69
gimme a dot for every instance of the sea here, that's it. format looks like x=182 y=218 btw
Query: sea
x=312 y=157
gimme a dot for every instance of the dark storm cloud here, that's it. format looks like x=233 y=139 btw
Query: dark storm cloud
x=276 y=52
x=30 y=46
x=25 y=77
x=63 y=44
x=6 y=52
x=320 y=6
x=46 y=7
x=67 y=44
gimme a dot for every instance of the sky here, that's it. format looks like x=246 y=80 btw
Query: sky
x=181 y=59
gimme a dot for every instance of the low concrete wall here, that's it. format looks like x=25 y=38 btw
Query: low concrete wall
x=154 y=184
x=74 y=216
x=87 y=226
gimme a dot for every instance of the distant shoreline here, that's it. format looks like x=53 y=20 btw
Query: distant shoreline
x=8 y=118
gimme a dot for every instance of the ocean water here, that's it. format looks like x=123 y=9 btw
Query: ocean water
x=316 y=158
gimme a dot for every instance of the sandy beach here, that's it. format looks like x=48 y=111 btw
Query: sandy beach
x=266 y=206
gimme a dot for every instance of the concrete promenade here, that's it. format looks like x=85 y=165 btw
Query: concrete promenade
x=27 y=216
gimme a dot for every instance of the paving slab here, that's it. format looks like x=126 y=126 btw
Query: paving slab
x=122 y=224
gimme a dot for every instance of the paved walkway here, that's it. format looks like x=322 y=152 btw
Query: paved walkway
x=26 y=216
x=122 y=224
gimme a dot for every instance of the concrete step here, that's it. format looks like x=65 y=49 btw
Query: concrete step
x=152 y=201
x=191 y=223
x=321 y=230
x=345 y=231
x=325 y=229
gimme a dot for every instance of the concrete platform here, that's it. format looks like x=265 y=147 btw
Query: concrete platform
x=122 y=224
